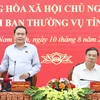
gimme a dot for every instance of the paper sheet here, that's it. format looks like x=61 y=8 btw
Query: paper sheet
x=16 y=78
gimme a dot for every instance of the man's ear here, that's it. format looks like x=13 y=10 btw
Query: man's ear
x=27 y=39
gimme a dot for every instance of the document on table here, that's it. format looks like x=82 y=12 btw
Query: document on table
x=16 y=78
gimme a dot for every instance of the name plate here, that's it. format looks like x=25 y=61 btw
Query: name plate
x=95 y=86
x=19 y=86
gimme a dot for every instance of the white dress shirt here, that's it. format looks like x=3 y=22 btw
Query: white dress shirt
x=19 y=61
x=81 y=72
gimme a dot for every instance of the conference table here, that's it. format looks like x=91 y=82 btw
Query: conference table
x=94 y=96
x=22 y=96
x=14 y=96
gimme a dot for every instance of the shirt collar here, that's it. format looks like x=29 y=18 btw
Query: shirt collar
x=84 y=67
x=25 y=45
x=96 y=67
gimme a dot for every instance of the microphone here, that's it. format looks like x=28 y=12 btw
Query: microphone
x=88 y=80
x=14 y=69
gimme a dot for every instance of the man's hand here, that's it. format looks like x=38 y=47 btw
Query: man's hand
x=24 y=76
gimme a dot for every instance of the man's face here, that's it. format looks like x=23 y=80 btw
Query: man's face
x=20 y=36
x=91 y=56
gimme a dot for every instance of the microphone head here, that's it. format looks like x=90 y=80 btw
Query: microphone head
x=14 y=62
x=82 y=79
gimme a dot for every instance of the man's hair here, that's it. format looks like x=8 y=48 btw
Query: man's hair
x=20 y=27
x=90 y=49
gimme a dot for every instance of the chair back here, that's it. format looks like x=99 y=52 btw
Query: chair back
x=71 y=72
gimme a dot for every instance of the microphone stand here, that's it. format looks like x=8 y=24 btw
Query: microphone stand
x=14 y=69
